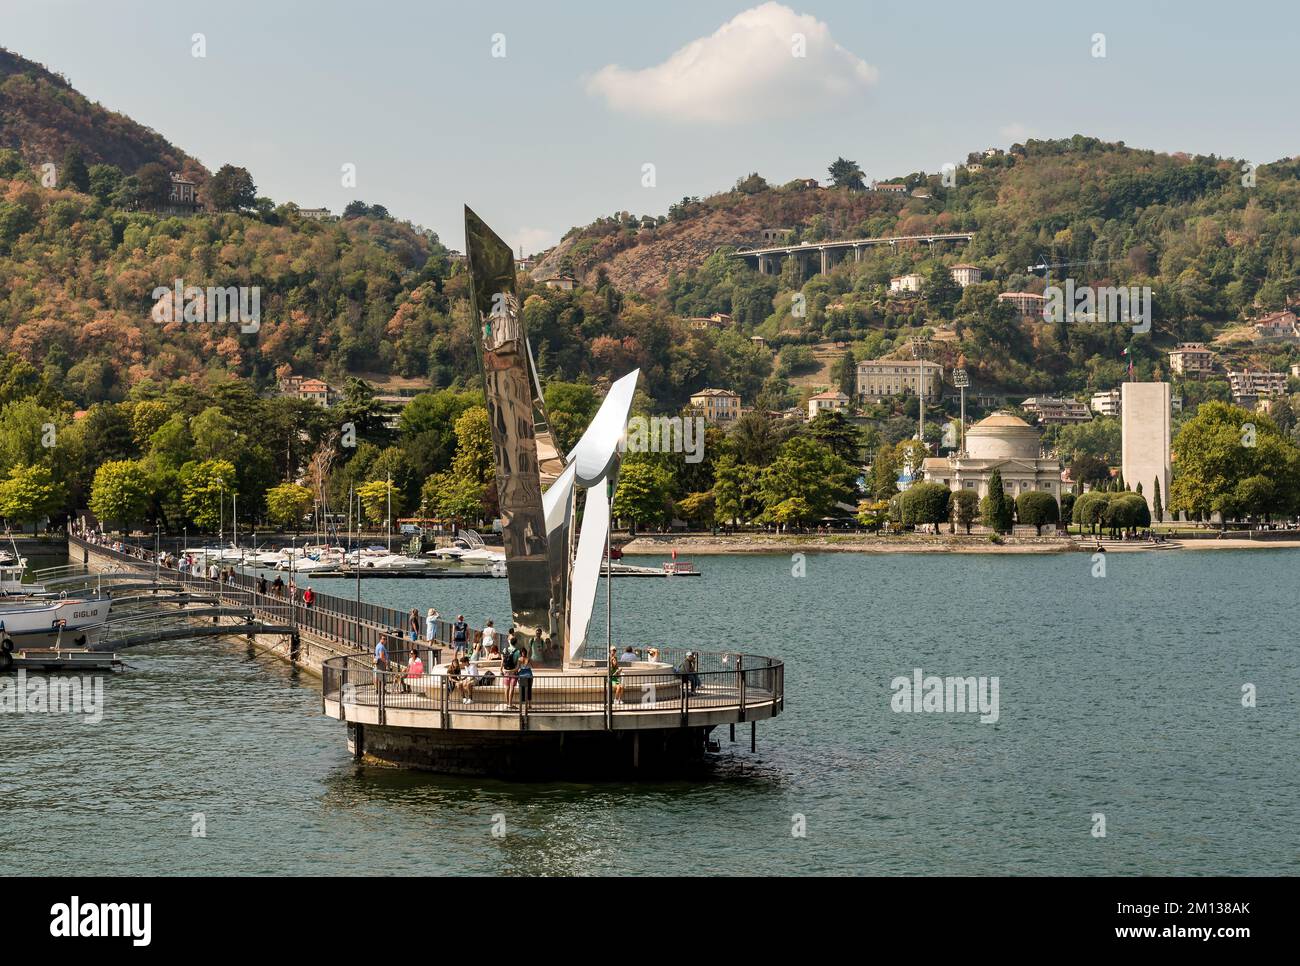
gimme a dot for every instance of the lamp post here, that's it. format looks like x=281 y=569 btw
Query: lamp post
x=961 y=380
x=919 y=346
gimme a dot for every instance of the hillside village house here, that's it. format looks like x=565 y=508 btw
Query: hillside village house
x=565 y=283
x=965 y=275
x=1278 y=325
x=1191 y=359
x=830 y=401
x=716 y=405
x=1249 y=386
x=774 y=236
x=1295 y=371
x=897 y=189
x=880 y=378
x=182 y=196
x=315 y=214
x=718 y=320
x=1001 y=442
x=1027 y=304
x=906 y=283
x=1051 y=410
x=313 y=390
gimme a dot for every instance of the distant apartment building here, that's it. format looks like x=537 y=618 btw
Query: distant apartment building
x=315 y=214
x=1249 y=386
x=1191 y=359
x=1107 y=403
x=906 y=283
x=716 y=405
x=898 y=189
x=182 y=197
x=1278 y=325
x=974 y=167
x=1027 y=304
x=1052 y=410
x=881 y=378
x=830 y=401
x=965 y=275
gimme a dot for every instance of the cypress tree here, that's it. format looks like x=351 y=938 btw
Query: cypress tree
x=1156 y=508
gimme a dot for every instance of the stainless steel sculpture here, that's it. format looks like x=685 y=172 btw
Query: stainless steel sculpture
x=508 y=382
x=552 y=583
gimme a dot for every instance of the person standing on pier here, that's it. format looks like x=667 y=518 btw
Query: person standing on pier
x=460 y=635
x=308 y=597
x=381 y=661
x=510 y=666
x=413 y=624
x=431 y=625
x=525 y=675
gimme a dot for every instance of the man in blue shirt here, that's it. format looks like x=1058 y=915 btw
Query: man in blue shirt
x=460 y=634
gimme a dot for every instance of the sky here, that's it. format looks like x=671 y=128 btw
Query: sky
x=545 y=115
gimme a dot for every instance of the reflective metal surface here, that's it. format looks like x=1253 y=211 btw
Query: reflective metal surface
x=508 y=387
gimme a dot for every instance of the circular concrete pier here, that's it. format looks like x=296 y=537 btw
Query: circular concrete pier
x=575 y=726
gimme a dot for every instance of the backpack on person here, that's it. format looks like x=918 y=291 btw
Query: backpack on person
x=511 y=660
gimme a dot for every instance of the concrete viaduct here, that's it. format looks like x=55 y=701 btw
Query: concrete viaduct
x=768 y=260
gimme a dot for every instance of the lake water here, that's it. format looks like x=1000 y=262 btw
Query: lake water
x=1119 y=695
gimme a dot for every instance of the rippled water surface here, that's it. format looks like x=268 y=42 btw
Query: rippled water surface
x=1119 y=695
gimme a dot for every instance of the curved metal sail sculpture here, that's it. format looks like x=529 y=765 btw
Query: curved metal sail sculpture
x=552 y=591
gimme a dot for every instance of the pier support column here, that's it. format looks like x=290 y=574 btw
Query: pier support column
x=357 y=739
x=826 y=261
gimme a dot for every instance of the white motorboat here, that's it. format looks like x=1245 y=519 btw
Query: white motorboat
x=62 y=622
x=11 y=577
x=469 y=548
x=378 y=558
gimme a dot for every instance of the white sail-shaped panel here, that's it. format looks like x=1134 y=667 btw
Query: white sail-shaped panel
x=597 y=451
x=555 y=501
x=586 y=566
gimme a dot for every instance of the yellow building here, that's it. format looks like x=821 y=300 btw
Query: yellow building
x=716 y=405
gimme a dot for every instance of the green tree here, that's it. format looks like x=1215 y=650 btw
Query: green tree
x=697 y=508
x=287 y=504
x=995 y=508
x=375 y=497
x=74 y=174
x=1038 y=509
x=925 y=503
x=965 y=508
x=453 y=497
x=1090 y=509
x=1156 y=508
x=214 y=435
x=1223 y=447
x=831 y=429
x=152 y=185
x=642 y=495
x=206 y=489
x=120 y=493
x=30 y=494
x=846 y=174
x=231 y=189
x=810 y=471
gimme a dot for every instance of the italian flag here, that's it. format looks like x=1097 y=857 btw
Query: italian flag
x=1129 y=356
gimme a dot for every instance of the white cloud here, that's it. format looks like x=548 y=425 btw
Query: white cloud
x=746 y=70
x=531 y=240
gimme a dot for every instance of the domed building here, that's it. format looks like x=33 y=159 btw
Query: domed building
x=1001 y=442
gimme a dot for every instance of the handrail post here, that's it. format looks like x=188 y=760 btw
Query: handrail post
x=380 y=682
x=740 y=673
x=609 y=699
